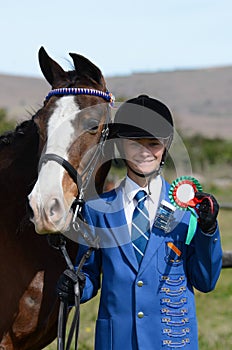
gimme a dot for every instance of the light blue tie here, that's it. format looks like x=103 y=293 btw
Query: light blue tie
x=140 y=226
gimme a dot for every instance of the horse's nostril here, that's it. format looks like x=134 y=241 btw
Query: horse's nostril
x=54 y=207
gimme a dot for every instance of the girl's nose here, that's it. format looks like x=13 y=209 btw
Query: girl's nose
x=144 y=149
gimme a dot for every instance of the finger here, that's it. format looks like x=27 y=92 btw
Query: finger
x=200 y=195
x=207 y=204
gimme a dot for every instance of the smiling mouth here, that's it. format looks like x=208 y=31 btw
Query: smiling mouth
x=144 y=161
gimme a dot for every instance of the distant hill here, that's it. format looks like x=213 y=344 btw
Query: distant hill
x=199 y=99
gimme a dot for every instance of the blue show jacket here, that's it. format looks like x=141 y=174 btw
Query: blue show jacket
x=150 y=307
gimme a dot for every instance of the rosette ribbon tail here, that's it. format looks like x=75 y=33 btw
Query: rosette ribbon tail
x=192 y=225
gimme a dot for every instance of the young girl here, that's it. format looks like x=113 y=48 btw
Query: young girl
x=146 y=272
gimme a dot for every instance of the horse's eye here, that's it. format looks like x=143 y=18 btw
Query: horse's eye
x=91 y=125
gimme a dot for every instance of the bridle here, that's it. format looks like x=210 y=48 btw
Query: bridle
x=90 y=167
x=58 y=241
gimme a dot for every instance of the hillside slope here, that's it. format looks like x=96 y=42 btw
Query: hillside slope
x=199 y=99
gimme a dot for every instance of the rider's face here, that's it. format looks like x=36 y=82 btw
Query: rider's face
x=143 y=155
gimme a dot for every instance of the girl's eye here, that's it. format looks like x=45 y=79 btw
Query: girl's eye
x=156 y=144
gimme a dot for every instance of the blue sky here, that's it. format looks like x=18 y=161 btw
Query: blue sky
x=121 y=37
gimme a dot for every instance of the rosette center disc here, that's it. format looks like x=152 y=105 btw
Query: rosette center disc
x=185 y=193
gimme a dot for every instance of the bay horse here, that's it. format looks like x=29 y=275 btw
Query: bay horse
x=30 y=267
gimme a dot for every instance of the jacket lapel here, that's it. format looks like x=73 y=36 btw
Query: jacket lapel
x=116 y=220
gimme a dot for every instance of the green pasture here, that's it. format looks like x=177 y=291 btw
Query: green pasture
x=214 y=309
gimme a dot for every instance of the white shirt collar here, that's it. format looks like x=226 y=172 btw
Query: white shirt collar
x=131 y=188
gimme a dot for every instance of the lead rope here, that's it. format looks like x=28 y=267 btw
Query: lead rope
x=76 y=206
x=76 y=318
x=63 y=312
x=58 y=241
x=63 y=309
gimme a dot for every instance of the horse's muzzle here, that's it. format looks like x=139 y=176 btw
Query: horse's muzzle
x=49 y=217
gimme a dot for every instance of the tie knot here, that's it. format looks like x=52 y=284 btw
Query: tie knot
x=140 y=198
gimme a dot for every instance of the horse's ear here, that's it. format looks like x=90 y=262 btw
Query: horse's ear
x=51 y=70
x=85 y=67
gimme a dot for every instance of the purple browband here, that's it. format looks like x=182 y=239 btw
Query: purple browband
x=82 y=91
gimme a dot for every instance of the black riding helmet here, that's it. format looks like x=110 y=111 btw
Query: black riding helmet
x=144 y=117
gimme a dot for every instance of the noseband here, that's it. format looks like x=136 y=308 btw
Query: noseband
x=77 y=178
x=65 y=164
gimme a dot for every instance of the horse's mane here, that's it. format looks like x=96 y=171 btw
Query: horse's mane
x=9 y=137
x=19 y=152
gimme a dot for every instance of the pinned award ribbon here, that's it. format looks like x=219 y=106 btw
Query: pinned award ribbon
x=182 y=195
x=164 y=216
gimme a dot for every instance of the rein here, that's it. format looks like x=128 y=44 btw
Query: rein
x=58 y=242
x=77 y=208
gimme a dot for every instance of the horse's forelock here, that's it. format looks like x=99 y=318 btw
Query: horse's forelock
x=77 y=78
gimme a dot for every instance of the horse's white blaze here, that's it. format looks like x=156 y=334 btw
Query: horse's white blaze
x=60 y=128
x=48 y=191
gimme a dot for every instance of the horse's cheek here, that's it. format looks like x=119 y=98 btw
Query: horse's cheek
x=69 y=189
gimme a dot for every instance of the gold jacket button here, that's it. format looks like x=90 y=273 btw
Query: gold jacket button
x=140 y=283
x=140 y=314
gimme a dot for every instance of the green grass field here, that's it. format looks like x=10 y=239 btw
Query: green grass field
x=214 y=309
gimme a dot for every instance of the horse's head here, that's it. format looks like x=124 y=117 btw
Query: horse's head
x=72 y=124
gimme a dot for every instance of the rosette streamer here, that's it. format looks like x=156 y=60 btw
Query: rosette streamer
x=182 y=195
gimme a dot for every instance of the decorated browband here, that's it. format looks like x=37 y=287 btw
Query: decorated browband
x=106 y=95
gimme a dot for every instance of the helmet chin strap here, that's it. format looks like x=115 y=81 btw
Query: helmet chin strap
x=154 y=172
x=149 y=175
